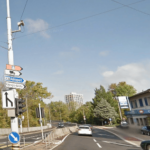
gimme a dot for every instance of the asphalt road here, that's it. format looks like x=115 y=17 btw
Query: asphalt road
x=29 y=139
x=101 y=139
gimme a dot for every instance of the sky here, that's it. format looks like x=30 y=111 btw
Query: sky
x=87 y=43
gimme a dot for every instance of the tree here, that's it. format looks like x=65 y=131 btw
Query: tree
x=122 y=89
x=102 y=94
x=104 y=110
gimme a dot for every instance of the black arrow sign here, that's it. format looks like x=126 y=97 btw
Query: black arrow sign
x=7 y=99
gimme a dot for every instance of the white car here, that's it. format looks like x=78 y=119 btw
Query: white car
x=84 y=130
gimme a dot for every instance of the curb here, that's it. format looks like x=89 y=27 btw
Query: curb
x=121 y=137
x=60 y=141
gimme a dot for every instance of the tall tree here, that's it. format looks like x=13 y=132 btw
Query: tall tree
x=104 y=110
x=102 y=94
x=122 y=89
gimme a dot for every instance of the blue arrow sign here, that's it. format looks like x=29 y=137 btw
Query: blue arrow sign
x=14 y=137
x=14 y=79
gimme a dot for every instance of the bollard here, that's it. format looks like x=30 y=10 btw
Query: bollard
x=16 y=146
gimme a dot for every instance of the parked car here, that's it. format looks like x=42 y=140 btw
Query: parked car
x=124 y=124
x=145 y=145
x=84 y=130
x=145 y=130
x=60 y=124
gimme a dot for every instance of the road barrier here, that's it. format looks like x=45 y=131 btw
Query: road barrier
x=30 y=129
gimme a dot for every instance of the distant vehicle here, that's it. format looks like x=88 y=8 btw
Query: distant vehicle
x=124 y=124
x=89 y=126
x=84 y=130
x=145 y=145
x=145 y=130
x=60 y=124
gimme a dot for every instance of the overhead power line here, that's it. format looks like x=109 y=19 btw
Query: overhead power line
x=79 y=19
x=22 y=14
x=24 y=9
x=132 y=7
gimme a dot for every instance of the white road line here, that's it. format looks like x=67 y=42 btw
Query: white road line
x=118 y=143
x=98 y=145
x=94 y=140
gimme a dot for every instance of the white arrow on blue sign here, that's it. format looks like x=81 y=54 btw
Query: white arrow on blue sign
x=14 y=137
x=14 y=79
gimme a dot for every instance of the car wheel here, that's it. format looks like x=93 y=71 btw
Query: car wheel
x=148 y=147
x=143 y=133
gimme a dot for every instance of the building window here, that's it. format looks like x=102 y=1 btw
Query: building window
x=138 y=123
x=146 y=103
x=145 y=122
x=141 y=121
x=135 y=104
x=131 y=120
x=141 y=102
x=131 y=104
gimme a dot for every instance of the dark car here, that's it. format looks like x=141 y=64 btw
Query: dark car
x=145 y=145
x=60 y=125
x=145 y=130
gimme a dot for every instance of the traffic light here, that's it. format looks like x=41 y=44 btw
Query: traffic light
x=38 y=113
x=20 y=106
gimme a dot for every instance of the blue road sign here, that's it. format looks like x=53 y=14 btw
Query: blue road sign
x=14 y=137
x=14 y=79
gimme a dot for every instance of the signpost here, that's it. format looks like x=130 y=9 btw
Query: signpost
x=13 y=67
x=14 y=85
x=13 y=73
x=14 y=137
x=14 y=79
x=8 y=99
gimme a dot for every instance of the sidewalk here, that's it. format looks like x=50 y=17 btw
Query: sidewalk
x=123 y=134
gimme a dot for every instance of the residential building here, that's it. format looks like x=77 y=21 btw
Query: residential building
x=74 y=97
x=140 y=109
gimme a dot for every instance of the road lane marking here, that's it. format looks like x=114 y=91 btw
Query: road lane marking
x=94 y=140
x=120 y=137
x=98 y=145
x=118 y=143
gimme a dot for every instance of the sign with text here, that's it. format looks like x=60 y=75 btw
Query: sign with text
x=123 y=102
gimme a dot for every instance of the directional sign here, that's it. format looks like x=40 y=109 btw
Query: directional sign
x=14 y=137
x=13 y=73
x=12 y=67
x=14 y=85
x=8 y=99
x=14 y=79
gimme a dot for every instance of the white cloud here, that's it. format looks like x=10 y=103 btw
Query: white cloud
x=104 y=53
x=136 y=74
x=58 y=72
x=37 y=25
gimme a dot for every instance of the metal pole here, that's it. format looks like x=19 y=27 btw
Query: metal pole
x=14 y=120
x=41 y=121
x=21 y=126
x=27 y=113
x=119 y=109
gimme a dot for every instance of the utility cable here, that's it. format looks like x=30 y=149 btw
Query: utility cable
x=22 y=15
x=78 y=19
x=131 y=7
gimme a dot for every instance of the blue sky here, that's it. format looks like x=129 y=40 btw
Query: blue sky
x=78 y=57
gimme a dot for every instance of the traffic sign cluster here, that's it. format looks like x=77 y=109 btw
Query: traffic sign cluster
x=12 y=81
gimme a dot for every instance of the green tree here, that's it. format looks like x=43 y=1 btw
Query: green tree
x=102 y=94
x=122 y=89
x=34 y=93
x=103 y=110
